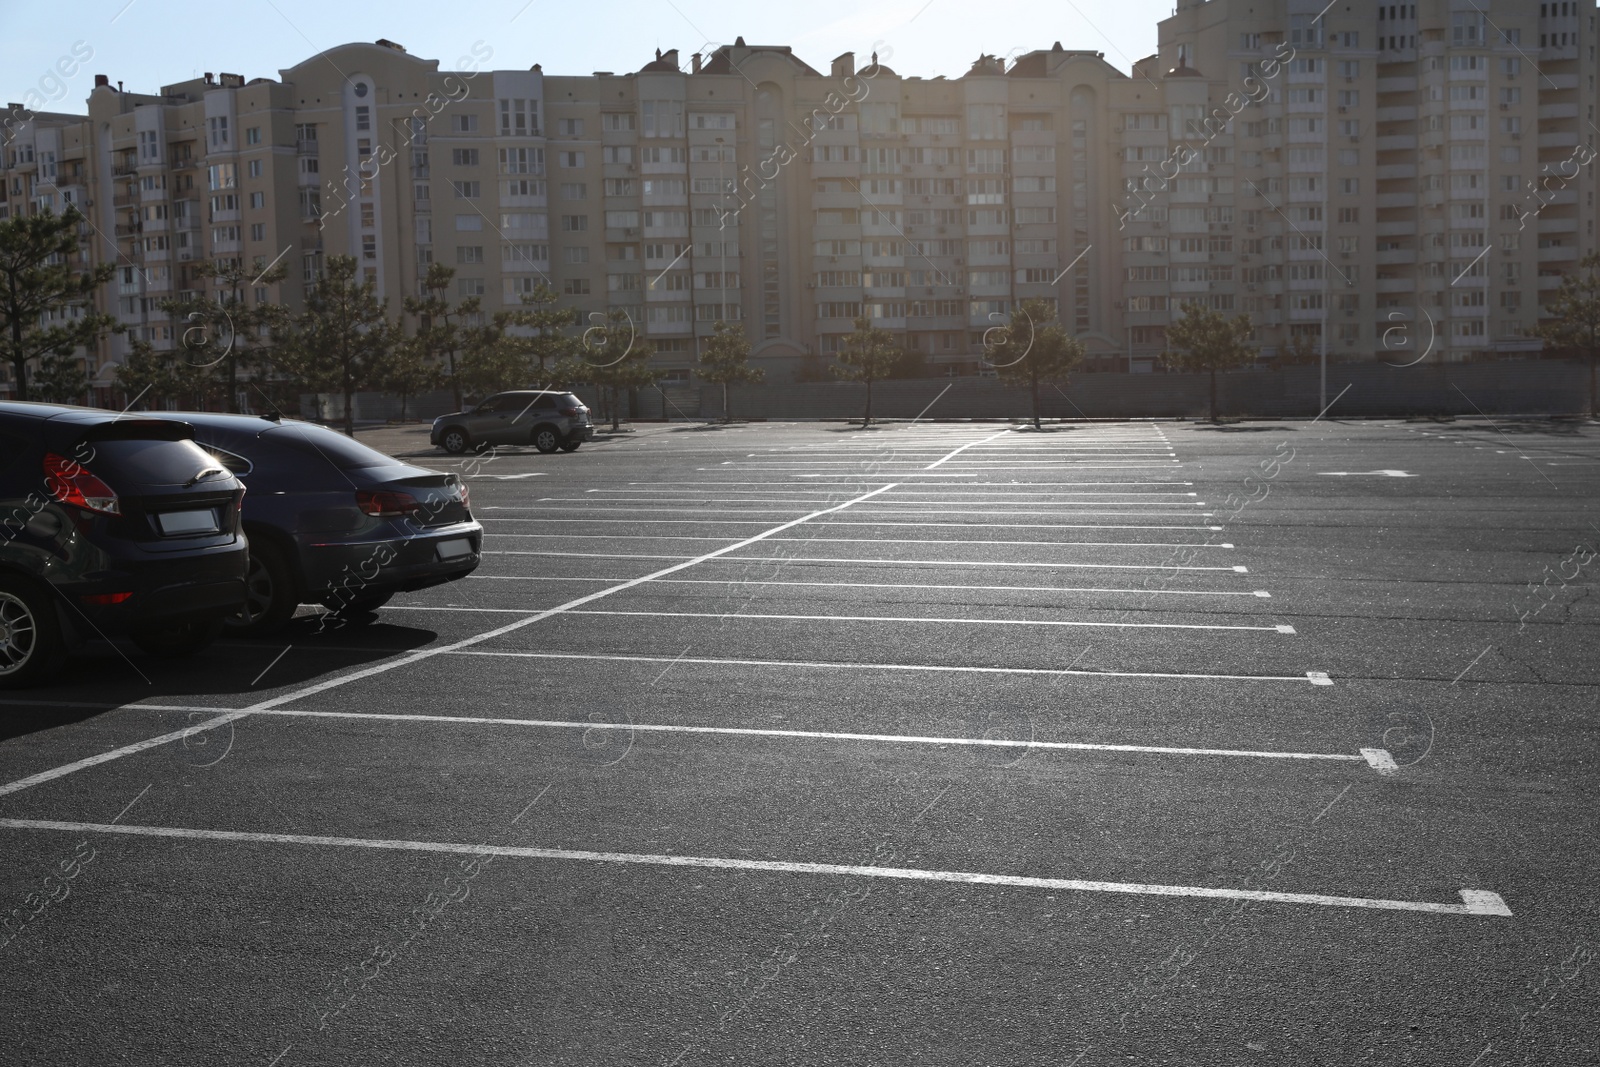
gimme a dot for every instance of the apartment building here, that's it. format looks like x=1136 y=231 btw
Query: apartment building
x=1375 y=180
x=1414 y=173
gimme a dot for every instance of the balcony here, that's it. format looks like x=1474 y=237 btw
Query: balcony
x=128 y=229
x=1559 y=253
x=1398 y=142
x=1397 y=256
x=1396 y=200
x=306 y=146
x=1392 y=171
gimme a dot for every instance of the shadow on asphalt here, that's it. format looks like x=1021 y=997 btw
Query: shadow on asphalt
x=107 y=676
x=1244 y=429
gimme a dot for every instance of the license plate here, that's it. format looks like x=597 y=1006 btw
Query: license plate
x=187 y=522
x=458 y=547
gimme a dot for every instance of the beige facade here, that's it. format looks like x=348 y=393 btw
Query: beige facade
x=1368 y=180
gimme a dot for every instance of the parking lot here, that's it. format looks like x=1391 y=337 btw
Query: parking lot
x=1149 y=742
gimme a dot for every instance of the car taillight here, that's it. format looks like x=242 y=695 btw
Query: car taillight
x=466 y=496
x=71 y=483
x=569 y=412
x=98 y=599
x=385 y=503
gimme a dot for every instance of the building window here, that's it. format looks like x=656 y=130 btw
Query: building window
x=575 y=287
x=463 y=124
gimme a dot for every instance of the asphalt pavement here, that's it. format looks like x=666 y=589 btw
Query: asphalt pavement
x=932 y=743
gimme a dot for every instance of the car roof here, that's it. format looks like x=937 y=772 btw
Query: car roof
x=67 y=412
x=217 y=420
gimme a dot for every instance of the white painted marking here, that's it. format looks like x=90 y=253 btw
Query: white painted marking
x=880 y=562
x=1318 y=678
x=741 y=615
x=1476 y=902
x=813 y=735
x=1380 y=760
x=1356 y=474
x=984 y=525
x=719 y=483
x=868 y=585
x=510 y=477
x=932 y=668
x=885 y=540
x=118 y=753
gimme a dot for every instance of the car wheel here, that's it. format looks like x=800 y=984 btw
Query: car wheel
x=570 y=446
x=269 y=594
x=546 y=439
x=455 y=440
x=175 y=640
x=31 y=648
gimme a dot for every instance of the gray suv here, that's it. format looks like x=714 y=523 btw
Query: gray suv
x=546 y=420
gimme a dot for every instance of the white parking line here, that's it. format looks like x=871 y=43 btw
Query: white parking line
x=1310 y=677
x=1236 y=569
x=746 y=522
x=742 y=615
x=1262 y=593
x=1475 y=902
x=963 y=448
x=587 y=536
x=817 y=735
x=899 y=492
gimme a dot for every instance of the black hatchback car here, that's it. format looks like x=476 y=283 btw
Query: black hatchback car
x=110 y=525
x=333 y=522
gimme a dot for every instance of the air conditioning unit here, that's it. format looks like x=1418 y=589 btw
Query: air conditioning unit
x=1505 y=107
x=1354 y=139
x=927 y=200
x=1342 y=109
x=811 y=285
x=1249 y=229
x=1516 y=137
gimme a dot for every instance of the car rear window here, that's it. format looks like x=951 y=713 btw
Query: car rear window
x=330 y=446
x=151 y=461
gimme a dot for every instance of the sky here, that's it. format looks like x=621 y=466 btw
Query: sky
x=48 y=62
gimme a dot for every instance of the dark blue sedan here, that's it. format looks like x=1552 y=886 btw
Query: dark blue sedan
x=333 y=522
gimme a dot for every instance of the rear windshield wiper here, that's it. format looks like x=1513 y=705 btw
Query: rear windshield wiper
x=208 y=472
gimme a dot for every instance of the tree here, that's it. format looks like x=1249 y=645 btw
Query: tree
x=1035 y=349
x=614 y=359
x=341 y=339
x=410 y=369
x=37 y=278
x=869 y=354
x=490 y=361
x=548 y=345
x=146 y=377
x=437 y=338
x=1204 y=340
x=1574 y=312
x=727 y=359
x=223 y=333
x=60 y=380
